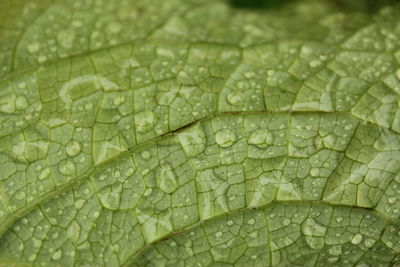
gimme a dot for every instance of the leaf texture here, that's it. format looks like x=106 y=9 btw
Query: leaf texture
x=193 y=133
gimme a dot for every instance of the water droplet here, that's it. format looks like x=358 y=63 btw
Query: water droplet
x=32 y=257
x=357 y=238
x=73 y=231
x=114 y=27
x=1 y=214
x=78 y=204
x=312 y=228
x=230 y=222
x=261 y=138
x=110 y=199
x=251 y=221
x=144 y=121
x=88 y=106
x=33 y=47
x=218 y=234
x=339 y=219
x=286 y=221
x=7 y=103
x=148 y=192
x=315 y=63
x=66 y=38
x=369 y=242
x=146 y=154
x=335 y=250
x=314 y=172
x=254 y=234
x=67 y=167
x=36 y=242
x=57 y=255
x=168 y=179
x=235 y=98
x=44 y=174
x=73 y=148
x=225 y=138
x=392 y=200
x=21 y=102
x=249 y=74
x=119 y=100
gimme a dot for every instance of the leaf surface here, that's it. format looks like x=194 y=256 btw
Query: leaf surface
x=192 y=132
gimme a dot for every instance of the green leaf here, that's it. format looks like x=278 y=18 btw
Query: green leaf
x=198 y=133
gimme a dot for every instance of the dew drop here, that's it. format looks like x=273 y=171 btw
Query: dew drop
x=312 y=228
x=251 y=221
x=339 y=219
x=146 y=154
x=314 y=172
x=254 y=234
x=114 y=27
x=110 y=199
x=148 y=192
x=286 y=221
x=168 y=179
x=235 y=99
x=218 y=234
x=57 y=255
x=7 y=103
x=369 y=242
x=78 y=204
x=73 y=148
x=33 y=47
x=119 y=100
x=44 y=174
x=67 y=167
x=357 y=238
x=36 y=242
x=315 y=63
x=32 y=257
x=335 y=250
x=73 y=231
x=230 y=222
x=96 y=214
x=392 y=200
x=261 y=138
x=66 y=38
x=88 y=106
x=21 y=102
x=225 y=138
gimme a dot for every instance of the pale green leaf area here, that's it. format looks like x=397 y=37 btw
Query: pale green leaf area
x=194 y=133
